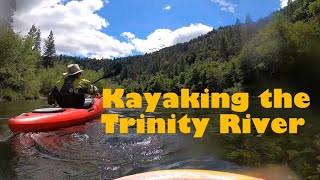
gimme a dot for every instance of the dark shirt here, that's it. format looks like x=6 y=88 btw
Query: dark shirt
x=71 y=93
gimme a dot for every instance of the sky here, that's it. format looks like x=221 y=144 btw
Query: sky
x=119 y=28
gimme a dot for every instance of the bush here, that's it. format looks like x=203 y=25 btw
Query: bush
x=50 y=76
x=9 y=94
x=236 y=88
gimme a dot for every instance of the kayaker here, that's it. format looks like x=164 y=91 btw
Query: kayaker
x=70 y=92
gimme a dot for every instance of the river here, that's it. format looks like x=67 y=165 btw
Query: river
x=86 y=152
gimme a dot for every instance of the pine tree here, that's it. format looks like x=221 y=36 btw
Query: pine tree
x=238 y=22
x=37 y=46
x=191 y=58
x=248 y=20
x=238 y=38
x=223 y=49
x=290 y=9
x=35 y=35
x=32 y=32
x=49 y=51
x=248 y=29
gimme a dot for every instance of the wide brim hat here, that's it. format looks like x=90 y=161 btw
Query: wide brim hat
x=72 y=70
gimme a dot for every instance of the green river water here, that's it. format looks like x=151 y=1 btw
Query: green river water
x=86 y=152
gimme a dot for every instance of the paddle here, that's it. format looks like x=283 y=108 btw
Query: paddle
x=116 y=70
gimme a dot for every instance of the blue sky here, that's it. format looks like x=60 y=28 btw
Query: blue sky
x=118 y=28
x=142 y=17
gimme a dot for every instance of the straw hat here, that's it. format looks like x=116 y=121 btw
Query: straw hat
x=72 y=70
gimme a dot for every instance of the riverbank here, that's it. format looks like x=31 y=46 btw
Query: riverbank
x=41 y=97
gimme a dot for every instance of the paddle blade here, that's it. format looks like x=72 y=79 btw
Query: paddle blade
x=116 y=71
x=117 y=68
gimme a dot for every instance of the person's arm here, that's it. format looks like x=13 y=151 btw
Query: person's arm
x=88 y=87
x=93 y=90
x=52 y=96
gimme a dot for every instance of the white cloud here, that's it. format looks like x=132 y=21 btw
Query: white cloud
x=128 y=35
x=77 y=29
x=162 y=38
x=75 y=25
x=283 y=3
x=167 y=8
x=225 y=5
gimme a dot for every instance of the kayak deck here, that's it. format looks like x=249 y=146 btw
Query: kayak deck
x=35 y=122
x=187 y=174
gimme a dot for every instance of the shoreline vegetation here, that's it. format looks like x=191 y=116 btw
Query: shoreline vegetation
x=40 y=97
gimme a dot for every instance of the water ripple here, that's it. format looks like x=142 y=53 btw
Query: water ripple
x=86 y=152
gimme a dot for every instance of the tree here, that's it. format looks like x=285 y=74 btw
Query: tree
x=290 y=9
x=35 y=35
x=33 y=31
x=248 y=28
x=238 y=22
x=37 y=46
x=237 y=34
x=49 y=51
x=191 y=58
x=314 y=9
x=124 y=74
x=248 y=20
x=223 y=48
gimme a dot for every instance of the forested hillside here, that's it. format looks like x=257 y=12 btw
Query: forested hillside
x=198 y=64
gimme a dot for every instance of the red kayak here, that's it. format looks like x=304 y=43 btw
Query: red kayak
x=53 y=118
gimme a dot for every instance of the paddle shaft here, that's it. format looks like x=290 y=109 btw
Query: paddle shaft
x=99 y=79
x=117 y=71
